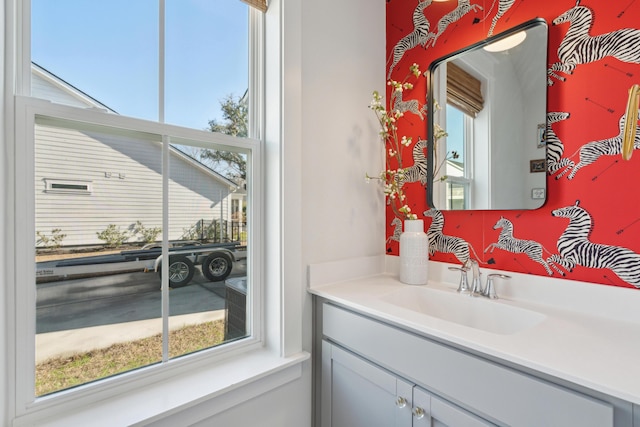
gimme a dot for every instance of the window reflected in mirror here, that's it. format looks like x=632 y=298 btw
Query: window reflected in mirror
x=458 y=176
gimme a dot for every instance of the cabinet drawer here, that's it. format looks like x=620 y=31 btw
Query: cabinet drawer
x=486 y=388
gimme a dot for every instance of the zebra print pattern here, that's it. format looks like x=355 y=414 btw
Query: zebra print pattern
x=503 y=7
x=578 y=47
x=439 y=242
x=508 y=243
x=576 y=249
x=555 y=147
x=411 y=106
x=397 y=230
x=419 y=35
x=591 y=151
x=417 y=171
x=462 y=9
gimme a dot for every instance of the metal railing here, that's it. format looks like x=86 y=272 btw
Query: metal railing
x=216 y=231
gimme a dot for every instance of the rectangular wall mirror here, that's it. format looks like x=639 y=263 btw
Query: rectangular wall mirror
x=491 y=101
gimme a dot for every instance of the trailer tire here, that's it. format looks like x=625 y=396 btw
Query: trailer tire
x=181 y=271
x=217 y=266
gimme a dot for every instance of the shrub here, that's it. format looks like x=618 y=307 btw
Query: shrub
x=148 y=234
x=112 y=236
x=53 y=241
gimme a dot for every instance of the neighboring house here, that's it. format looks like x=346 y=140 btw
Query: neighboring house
x=238 y=202
x=454 y=168
x=87 y=178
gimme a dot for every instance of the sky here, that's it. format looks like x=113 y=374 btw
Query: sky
x=455 y=131
x=109 y=50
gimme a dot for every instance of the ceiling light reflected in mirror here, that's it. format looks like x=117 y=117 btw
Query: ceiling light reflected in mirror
x=506 y=43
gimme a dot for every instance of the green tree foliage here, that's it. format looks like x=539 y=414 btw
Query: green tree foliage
x=234 y=123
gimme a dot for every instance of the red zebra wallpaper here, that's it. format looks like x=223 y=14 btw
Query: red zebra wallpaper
x=589 y=227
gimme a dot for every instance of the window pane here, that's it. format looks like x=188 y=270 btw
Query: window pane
x=97 y=312
x=208 y=300
x=207 y=50
x=456 y=196
x=455 y=142
x=99 y=302
x=97 y=54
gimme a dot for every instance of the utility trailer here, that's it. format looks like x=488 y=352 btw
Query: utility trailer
x=216 y=260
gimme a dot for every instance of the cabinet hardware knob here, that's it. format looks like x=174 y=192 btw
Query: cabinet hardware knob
x=418 y=413
x=401 y=402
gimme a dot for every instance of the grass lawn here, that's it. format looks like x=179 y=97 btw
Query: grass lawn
x=62 y=373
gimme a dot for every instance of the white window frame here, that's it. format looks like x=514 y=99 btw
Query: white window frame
x=467 y=179
x=68 y=186
x=270 y=359
x=440 y=191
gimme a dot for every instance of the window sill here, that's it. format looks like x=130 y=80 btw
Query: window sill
x=224 y=385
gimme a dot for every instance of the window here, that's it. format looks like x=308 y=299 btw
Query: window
x=130 y=124
x=463 y=118
x=67 y=186
x=464 y=102
x=458 y=152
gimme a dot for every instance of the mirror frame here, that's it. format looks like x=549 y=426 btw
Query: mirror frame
x=430 y=101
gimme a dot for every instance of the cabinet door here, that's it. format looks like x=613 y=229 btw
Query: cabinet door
x=431 y=411
x=356 y=393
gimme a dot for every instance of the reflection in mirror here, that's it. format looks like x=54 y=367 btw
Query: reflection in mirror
x=490 y=99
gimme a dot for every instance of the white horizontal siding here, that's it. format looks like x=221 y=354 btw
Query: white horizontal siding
x=62 y=153
x=41 y=88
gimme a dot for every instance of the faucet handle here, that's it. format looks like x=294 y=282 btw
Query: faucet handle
x=490 y=291
x=463 y=287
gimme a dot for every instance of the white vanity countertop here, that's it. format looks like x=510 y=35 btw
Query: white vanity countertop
x=590 y=336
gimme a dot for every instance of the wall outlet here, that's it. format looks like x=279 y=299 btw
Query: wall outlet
x=537 y=193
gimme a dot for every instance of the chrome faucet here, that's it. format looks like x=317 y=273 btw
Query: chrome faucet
x=476 y=282
x=476 y=289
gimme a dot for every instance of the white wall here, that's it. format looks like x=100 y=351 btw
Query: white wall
x=506 y=173
x=343 y=61
x=286 y=406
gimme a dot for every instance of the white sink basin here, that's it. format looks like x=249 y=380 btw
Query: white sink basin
x=474 y=312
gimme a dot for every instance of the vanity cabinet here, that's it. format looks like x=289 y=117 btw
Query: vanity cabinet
x=374 y=373
x=364 y=395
